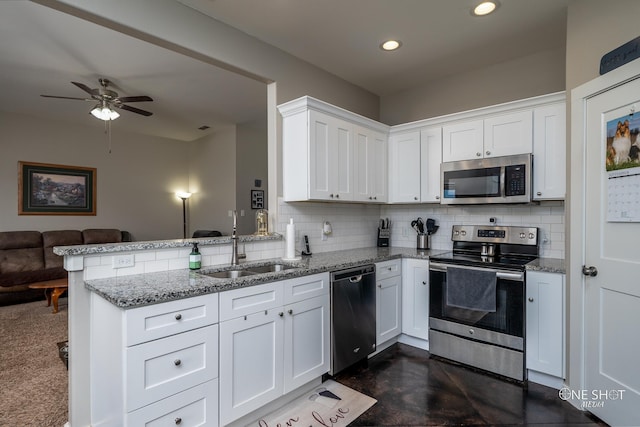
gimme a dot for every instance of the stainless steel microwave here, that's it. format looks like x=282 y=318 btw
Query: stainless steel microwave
x=493 y=180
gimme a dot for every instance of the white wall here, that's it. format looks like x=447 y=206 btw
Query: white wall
x=136 y=183
x=212 y=176
x=251 y=155
x=533 y=75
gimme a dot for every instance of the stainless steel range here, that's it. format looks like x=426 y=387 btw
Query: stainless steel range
x=476 y=298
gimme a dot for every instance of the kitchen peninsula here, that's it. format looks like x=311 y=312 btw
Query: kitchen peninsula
x=160 y=295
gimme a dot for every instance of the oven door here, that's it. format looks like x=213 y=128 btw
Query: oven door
x=504 y=326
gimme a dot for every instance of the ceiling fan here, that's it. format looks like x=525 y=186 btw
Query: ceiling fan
x=107 y=99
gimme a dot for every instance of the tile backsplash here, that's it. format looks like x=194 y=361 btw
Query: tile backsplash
x=355 y=225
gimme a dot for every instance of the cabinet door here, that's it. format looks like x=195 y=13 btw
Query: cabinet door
x=363 y=157
x=545 y=323
x=462 y=141
x=404 y=168
x=508 y=134
x=331 y=158
x=549 y=152
x=321 y=127
x=378 y=173
x=388 y=309
x=431 y=157
x=415 y=298
x=307 y=339
x=251 y=363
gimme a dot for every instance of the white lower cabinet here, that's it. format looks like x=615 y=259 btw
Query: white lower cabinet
x=154 y=365
x=388 y=300
x=545 y=323
x=415 y=298
x=279 y=345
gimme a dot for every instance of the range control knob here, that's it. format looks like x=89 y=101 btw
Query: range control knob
x=522 y=235
x=531 y=236
x=464 y=233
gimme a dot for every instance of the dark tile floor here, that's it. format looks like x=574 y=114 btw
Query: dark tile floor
x=415 y=390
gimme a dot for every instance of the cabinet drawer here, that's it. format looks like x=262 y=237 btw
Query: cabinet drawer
x=244 y=301
x=161 y=320
x=163 y=367
x=197 y=406
x=387 y=269
x=302 y=288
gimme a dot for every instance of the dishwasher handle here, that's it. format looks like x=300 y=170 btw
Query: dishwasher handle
x=354 y=275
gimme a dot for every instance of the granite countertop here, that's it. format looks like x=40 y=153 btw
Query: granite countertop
x=152 y=288
x=104 y=248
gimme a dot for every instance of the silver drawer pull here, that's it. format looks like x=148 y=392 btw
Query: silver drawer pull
x=530 y=299
x=178 y=421
x=178 y=316
x=290 y=311
x=177 y=362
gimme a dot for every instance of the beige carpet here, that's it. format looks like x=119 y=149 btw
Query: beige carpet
x=33 y=379
x=330 y=405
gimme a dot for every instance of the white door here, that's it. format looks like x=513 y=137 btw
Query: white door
x=415 y=298
x=251 y=363
x=363 y=160
x=508 y=134
x=462 y=141
x=307 y=340
x=549 y=152
x=388 y=309
x=378 y=172
x=612 y=297
x=404 y=168
x=321 y=127
x=431 y=157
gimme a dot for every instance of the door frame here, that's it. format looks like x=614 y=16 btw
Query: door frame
x=576 y=224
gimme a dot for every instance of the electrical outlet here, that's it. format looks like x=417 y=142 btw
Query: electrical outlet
x=122 y=261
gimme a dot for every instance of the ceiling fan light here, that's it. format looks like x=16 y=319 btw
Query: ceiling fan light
x=104 y=113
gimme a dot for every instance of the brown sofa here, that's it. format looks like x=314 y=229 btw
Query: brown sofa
x=27 y=257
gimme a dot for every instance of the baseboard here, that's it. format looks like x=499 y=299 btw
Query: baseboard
x=414 y=342
x=545 y=379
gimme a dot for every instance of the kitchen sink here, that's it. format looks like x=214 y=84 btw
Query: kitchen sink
x=247 y=270
x=270 y=268
x=229 y=274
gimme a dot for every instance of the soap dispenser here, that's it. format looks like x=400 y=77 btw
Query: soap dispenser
x=195 y=258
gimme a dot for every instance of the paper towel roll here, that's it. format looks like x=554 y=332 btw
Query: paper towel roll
x=290 y=238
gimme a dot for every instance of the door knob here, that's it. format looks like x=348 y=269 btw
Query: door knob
x=589 y=271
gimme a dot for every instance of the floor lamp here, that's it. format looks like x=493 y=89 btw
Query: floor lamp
x=184 y=196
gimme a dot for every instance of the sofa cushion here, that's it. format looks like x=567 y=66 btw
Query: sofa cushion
x=92 y=236
x=26 y=277
x=58 y=238
x=17 y=260
x=20 y=239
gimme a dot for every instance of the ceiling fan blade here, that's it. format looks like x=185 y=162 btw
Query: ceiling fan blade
x=67 y=97
x=135 y=99
x=84 y=88
x=133 y=109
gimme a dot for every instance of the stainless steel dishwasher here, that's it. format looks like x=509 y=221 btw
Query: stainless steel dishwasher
x=353 y=316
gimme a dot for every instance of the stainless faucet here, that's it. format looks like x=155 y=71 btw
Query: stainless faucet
x=234 y=240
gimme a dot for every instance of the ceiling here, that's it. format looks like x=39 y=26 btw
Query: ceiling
x=43 y=50
x=439 y=37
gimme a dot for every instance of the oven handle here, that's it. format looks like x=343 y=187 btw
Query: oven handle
x=504 y=275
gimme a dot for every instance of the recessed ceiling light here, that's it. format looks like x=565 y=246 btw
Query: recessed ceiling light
x=390 y=45
x=485 y=8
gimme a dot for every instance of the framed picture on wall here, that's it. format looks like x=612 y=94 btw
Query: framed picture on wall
x=257 y=199
x=47 y=189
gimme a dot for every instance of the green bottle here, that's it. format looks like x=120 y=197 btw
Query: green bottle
x=195 y=259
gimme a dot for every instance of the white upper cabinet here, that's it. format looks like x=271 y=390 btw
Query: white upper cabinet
x=508 y=134
x=404 y=168
x=462 y=141
x=331 y=154
x=549 y=152
x=430 y=159
x=331 y=162
x=370 y=155
x=495 y=136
